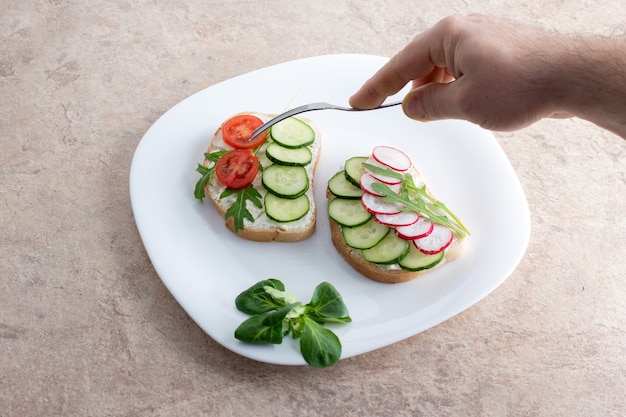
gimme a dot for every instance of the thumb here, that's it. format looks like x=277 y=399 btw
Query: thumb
x=433 y=101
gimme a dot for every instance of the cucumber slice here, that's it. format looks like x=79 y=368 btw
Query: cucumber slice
x=339 y=186
x=285 y=181
x=365 y=236
x=349 y=213
x=354 y=169
x=416 y=260
x=388 y=251
x=288 y=156
x=286 y=209
x=292 y=133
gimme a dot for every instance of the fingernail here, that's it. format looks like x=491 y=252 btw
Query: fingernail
x=413 y=108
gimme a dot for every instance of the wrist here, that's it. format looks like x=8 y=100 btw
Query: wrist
x=592 y=83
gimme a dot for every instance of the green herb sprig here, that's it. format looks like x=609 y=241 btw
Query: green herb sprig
x=414 y=198
x=207 y=173
x=275 y=313
x=239 y=209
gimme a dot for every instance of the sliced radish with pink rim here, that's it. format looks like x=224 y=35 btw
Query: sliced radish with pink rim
x=366 y=185
x=421 y=228
x=376 y=205
x=404 y=218
x=382 y=178
x=439 y=239
x=392 y=158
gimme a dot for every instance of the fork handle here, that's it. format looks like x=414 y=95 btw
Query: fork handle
x=310 y=107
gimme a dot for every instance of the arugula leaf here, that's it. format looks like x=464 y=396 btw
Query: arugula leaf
x=207 y=173
x=414 y=198
x=320 y=347
x=214 y=156
x=239 y=210
x=440 y=205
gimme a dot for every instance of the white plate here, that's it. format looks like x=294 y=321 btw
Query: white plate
x=205 y=266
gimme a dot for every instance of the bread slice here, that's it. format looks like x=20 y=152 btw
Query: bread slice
x=264 y=229
x=389 y=274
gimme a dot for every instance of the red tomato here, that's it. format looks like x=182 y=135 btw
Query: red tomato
x=237 y=130
x=237 y=168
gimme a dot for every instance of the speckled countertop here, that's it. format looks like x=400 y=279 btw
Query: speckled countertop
x=88 y=329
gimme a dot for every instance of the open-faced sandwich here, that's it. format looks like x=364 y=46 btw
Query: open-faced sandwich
x=263 y=187
x=386 y=223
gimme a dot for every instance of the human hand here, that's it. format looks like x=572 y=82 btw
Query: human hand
x=497 y=74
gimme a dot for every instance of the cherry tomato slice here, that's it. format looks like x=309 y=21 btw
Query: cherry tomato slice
x=237 y=168
x=237 y=130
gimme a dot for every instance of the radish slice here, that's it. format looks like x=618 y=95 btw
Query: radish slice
x=439 y=239
x=404 y=218
x=366 y=184
x=376 y=205
x=392 y=158
x=379 y=177
x=420 y=229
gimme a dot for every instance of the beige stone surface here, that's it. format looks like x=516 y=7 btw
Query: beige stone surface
x=88 y=329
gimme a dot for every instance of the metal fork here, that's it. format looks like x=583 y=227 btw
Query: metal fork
x=311 y=107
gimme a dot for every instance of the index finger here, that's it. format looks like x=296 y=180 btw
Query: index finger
x=417 y=60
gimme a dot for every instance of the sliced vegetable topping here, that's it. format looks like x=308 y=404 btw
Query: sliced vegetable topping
x=237 y=131
x=404 y=218
x=416 y=260
x=354 y=169
x=376 y=205
x=339 y=186
x=367 y=181
x=392 y=158
x=389 y=251
x=285 y=181
x=436 y=241
x=292 y=133
x=365 y=236
x=287 y=156
x=421 y=228
x=237 y=168
x=379 y=173
x=348 y=213
x=286 y=209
